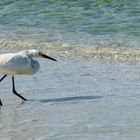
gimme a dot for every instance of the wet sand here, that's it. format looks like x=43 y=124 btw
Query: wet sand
x=76 y=98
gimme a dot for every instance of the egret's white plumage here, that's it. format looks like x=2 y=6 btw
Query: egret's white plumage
x=22 y=62
x=19 y=63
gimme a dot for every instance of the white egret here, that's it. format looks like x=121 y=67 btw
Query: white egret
x=20 y=63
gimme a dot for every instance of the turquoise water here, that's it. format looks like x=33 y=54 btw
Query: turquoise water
x=76 y=22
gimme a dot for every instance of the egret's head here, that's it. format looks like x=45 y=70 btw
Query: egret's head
x=37 y=53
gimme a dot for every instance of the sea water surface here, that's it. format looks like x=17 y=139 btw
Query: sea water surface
x=93 y=90
x=84 y=23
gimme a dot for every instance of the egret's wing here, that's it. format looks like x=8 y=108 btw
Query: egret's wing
x=14 y=64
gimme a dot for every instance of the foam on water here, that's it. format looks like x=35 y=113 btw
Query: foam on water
x=58 y=49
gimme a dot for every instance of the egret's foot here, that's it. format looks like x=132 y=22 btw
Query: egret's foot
x=14 y=91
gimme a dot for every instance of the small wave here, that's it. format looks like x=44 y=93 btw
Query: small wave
x=65 y=50
x=108 y=52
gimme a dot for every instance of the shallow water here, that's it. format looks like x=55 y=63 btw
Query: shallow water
x=75 y=98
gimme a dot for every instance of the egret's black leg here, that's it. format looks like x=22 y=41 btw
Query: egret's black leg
x=0 y=81
x=1 y=103
x=14 y=91
x=3 y=78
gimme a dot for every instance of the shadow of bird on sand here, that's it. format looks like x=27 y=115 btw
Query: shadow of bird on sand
x=68 y=99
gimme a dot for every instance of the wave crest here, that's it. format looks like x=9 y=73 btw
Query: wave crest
x=65 y=50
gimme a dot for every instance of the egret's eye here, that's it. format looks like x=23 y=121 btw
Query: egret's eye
x=40 y=53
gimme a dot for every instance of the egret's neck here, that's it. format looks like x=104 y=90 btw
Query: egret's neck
x=34 y=65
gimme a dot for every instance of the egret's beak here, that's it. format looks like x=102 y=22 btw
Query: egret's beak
x=45 y=56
